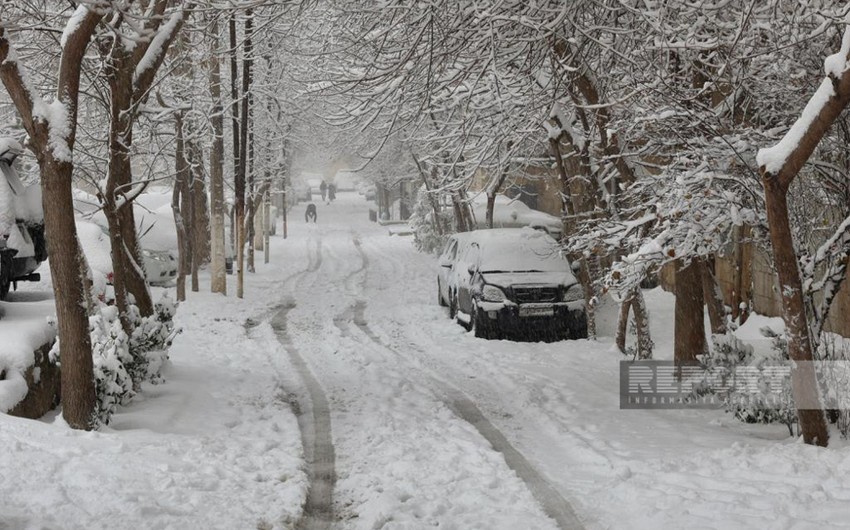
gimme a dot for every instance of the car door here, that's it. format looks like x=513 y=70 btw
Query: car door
x=465 y=270
x=446 y=262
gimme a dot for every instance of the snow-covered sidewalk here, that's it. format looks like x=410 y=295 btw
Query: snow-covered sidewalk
x=216 y=446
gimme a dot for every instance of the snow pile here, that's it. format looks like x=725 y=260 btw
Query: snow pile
x=24 y=328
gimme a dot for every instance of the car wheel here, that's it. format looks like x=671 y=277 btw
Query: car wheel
x=578 y=327
x=440 y=300
x=480 y=327
x=5 y=273
x=452 y=307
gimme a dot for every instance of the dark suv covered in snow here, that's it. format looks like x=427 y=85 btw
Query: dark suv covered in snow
x=515 y=281
x=22 y=243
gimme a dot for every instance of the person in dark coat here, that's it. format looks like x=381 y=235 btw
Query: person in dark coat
x=323 y=187
x=331 y=192
x=310 y=214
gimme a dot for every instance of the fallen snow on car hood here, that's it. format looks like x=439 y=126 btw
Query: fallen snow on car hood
x=508 y=279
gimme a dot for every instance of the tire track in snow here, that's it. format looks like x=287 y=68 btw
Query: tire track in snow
x=552 y=502
x=312 y=411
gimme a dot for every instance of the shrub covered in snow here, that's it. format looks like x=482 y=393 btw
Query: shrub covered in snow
x=150 y=340
x=756 y=388
x=122 y=363
x=425 y=234
x=111 y=356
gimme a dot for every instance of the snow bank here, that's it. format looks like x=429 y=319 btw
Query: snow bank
x=24 y=328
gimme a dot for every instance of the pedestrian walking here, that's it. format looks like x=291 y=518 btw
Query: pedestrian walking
x=331 y=192
x=323 y=187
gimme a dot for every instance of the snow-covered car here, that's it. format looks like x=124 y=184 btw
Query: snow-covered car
x=160 y=266
x=513 y=281
x=454 y=248
x=513 y=213
x=23 y=246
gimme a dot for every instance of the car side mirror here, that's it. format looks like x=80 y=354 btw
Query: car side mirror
x=471 y=270
x=576 y=267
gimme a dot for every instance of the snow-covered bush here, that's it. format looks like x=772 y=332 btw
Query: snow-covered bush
x=122 y=363
x=426 y=237
x=834 y=376
x=756 y=388
x=110 y=355
x=150 y=340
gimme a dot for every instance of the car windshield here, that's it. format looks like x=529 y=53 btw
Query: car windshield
x=522 y=254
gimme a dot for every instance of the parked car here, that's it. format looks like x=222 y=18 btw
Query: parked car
x=513 y=281
x=160 y=265
x=23 y=246
x=454 y=248
x=513 y=213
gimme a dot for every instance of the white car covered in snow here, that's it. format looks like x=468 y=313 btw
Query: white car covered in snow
x=513 y=213
x=160 y=265
x=23 y=246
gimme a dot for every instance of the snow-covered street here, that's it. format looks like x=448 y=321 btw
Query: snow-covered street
x=406 y=419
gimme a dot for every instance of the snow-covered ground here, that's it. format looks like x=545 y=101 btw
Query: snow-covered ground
x=430 y=427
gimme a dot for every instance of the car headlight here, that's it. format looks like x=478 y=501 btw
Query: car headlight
x=574 y=293
x=491 y=293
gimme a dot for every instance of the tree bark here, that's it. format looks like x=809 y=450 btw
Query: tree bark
x=804 y=385
x=689 y=321
x=218 y=279
x=713 y=298
x=238 y=224
x=68 y=273
x=810 y=132
x=181 y=171
x=644 y=338
x=67 y=265
x=120 y=137
x=623 y=323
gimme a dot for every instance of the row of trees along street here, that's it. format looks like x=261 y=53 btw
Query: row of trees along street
x=652 y=114
x=655 y=116
x=153 y=72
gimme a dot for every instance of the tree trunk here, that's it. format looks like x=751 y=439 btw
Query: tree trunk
x=238 y=224
x=689 y=321
x=644 y=338
x=128 y=265
x=187 y=212
x=590 y=269
x=713 y=298
x=181 y=171
x=268 y=220
x=198 y=228
x=804 y=385
x=491 y=205
x=69 y=274
x=460 y=217
x=218 y=279
x=623 y=323
x=67 y=265
x=201 y=210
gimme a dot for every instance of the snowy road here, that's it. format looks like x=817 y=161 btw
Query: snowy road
x=412 y=448
x=337 y=394
x=432 y=426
